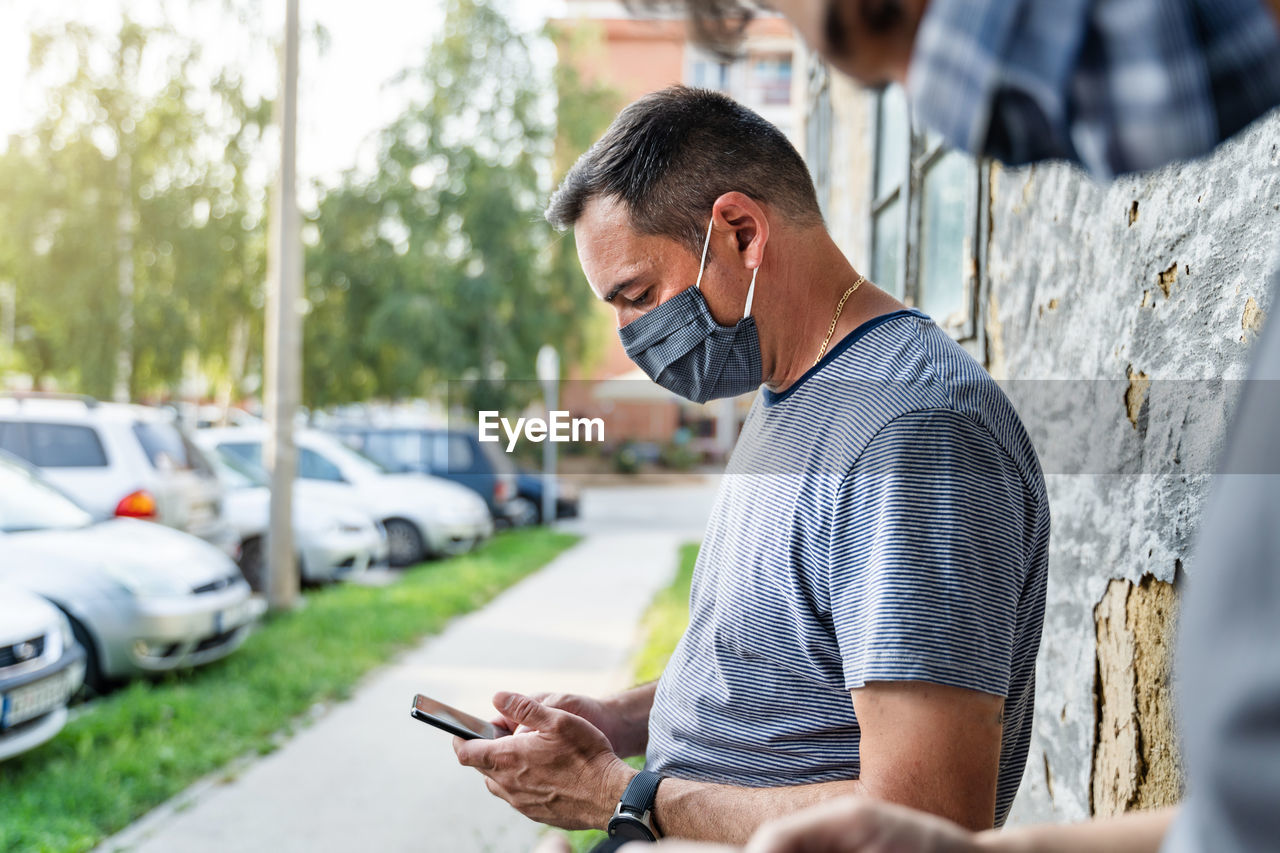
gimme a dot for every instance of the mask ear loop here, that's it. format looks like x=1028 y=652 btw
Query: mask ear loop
x=751 y=294
x=706 y=244
x=702 y=266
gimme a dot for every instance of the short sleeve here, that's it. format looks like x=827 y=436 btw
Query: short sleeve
x=933 y=533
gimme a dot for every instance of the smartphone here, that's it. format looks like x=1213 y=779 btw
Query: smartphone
x=452 y=720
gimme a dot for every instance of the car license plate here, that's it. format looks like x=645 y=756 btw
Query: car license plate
x=231 y=618
x=35 y=699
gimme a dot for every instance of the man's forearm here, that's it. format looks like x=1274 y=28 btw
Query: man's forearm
x=633 y=707
x=1139 y=832
x=729 y=814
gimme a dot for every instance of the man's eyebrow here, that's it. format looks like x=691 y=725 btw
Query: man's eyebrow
x=618 y=288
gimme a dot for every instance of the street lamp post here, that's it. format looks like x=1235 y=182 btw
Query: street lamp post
x=548 y=365
x=284 y=333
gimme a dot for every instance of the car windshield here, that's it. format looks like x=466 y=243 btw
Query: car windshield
x=235 y=472
x=28 y=503
x=319 y=458
x=351 y=461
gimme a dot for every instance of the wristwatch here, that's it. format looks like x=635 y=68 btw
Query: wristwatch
x=633 y=818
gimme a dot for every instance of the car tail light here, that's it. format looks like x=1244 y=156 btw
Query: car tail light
x=139 y=504
x=501 y=490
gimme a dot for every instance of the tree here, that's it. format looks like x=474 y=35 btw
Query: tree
x=439 y=268
x=131 y=231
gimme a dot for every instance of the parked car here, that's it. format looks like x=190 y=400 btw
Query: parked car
x=452 y=454
x=526 y=507
x=41 y=666
x=334 y=539
x=423 y=516
x=140 y=597
x=118 y=460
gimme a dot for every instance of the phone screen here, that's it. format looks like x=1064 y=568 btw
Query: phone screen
x=452 y=720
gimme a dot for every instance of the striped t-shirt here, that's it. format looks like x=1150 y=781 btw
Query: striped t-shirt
x=883 y=519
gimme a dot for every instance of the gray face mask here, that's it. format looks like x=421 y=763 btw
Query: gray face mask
x=680 y=346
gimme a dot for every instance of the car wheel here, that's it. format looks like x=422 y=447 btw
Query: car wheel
x=404 y=543
x=524 y=512
x=95 y=683
x=253 y=564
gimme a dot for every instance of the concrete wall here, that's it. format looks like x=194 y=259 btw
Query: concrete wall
x=1145 y=284
x=1136 y=293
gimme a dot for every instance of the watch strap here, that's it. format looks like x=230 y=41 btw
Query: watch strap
x=641 y=793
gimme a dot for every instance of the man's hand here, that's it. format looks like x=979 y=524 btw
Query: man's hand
x=557 y=768
x=604 y=715
x=862 y=825
x=845 y=825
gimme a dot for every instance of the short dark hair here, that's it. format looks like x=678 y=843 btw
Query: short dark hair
x=672 y=153
x=717 y=25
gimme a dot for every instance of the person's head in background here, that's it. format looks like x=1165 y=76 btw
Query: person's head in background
x=869 y=40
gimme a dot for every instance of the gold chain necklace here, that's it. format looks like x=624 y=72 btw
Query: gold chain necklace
x=839 y=307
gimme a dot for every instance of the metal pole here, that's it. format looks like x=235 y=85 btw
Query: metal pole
x=548 y=369
x=549 y=463
x=284 y=338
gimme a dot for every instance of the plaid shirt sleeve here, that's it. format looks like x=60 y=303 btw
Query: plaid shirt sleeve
x=1116 y=86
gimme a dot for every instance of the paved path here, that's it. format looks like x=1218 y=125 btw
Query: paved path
x=366 y=776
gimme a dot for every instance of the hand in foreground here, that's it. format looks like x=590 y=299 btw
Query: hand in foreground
x=860 y=825
x=597 y=713
x=557 y=768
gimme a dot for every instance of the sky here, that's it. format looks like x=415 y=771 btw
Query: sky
x=343 y=96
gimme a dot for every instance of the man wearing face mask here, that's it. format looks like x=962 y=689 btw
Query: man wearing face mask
x=868 y=600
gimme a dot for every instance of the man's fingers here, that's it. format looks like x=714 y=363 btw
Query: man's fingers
x=564 y=701
x=526 y=711
x=496 y=789
x=837 y=825
x=504 y=722
x=477 y=753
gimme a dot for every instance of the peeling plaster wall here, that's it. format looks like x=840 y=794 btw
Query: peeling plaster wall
x=1135 y=761
x=1142 y=281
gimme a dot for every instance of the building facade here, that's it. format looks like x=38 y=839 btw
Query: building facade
x=1112 y=314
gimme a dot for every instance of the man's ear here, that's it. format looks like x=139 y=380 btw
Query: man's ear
x=742 y=217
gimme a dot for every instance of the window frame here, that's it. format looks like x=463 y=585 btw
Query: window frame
x=923 y=152
x=818 y=132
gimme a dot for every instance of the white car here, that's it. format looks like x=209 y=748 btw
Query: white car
x=333 y=538
x=117 y=460
x=423 y=516
x=141 y=597
x=40 y=668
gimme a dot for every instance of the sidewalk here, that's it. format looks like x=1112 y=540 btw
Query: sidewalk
x=366 y=776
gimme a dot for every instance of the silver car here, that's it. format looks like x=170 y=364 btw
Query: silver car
x=41 y=666
x=333 y=539
x=141 y=597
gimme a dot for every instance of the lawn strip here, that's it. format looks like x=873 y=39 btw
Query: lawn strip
x=141 y=745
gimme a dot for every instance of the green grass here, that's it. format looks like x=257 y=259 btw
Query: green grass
x=666 y=619
x=139 y=746
x=662 y=627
